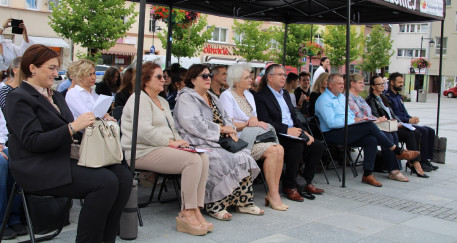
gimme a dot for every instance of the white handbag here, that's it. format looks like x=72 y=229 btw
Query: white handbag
x=100 y=145
x=388 y=126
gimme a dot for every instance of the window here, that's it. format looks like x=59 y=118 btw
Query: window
x=219 y=35
x=414 y=28
x=238 y=37
x=31 y=4
x=4 y=2
x=55 y=3
x=274 y=44
x=438 y=45
x=152 y=25
x=353 y=68
x=410 y=52
x=318 y=39
x=448 y=2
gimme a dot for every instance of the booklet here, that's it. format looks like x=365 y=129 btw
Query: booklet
x=102 y=105
x=407 y=125
x=293 y=137
x=192 y=149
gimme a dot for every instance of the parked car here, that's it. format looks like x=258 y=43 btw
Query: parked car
x=100 y=72
x=451 y=93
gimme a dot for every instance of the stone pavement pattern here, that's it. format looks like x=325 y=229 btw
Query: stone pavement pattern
x=422 y=210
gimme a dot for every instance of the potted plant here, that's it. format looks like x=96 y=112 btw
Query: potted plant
x=310 y=49
x=181 y=17
x=420 y=63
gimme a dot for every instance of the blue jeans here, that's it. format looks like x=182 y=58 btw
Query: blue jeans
x=6 y=184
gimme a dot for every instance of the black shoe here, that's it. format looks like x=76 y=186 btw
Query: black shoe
x=307 y=195
x=425 y=167
x=413 y=170
x=434 y=167
x=9 y=234
x=19 y=228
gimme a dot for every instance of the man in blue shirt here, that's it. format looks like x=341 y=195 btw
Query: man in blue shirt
x=427 y=142
x=330 y=111
x=275 y=107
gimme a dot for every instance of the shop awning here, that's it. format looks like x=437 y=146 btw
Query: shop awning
x=49 y=41
x=220 y=60
x=254 y=64
x=121 y=49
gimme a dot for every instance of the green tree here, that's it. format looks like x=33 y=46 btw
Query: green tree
x=95 y=25
x=254 y=41
x=188 y=40
x=378 y=50
x=335 y=44
x=297 y=34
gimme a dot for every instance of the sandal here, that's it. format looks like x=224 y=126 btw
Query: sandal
x=398 y=176
x=220 y=215
x=254 y=210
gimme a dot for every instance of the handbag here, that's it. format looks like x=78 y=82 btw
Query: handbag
x=266 y=137
x=100 y=145
x=231 y=145
x=388 y=126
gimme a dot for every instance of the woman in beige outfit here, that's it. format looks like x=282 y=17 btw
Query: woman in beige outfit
x=156 y=139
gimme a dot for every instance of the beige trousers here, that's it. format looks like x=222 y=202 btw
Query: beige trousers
x=193 y=168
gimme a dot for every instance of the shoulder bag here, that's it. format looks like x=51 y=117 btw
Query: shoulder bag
x=388 y=126
x=100 y=145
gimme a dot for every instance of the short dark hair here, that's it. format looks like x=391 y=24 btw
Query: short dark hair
x=147 y=71
x=304 y=74
x=193 y=73
x=215 y=69
x=394 y=76
x=37 y=55
x=291 y=77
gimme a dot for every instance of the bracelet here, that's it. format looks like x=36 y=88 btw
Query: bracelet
x=71 y=129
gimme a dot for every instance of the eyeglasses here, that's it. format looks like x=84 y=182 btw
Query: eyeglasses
x=381 y=84
x=160 y=76
x=206 y=75
x=165 y=76
x=280 y=74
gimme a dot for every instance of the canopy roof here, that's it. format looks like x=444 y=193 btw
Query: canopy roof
x=316 y=11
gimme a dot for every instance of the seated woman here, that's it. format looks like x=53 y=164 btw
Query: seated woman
x=126 y=89
x=239 y=104
x=318 y=88
x=202 y=121
x=362 y=110
x=157 y=149
x=82 y=97
x=41 y=129
x=110 y=82
x=380 y=108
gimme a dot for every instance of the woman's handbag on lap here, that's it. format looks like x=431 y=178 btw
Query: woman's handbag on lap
x=388 y=126
x=231 y=145
x=100 y=145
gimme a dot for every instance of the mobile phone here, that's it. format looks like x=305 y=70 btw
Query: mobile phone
x=15 y=26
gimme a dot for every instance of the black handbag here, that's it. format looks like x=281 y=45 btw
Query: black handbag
x=266 y=137
x=48 y=213
x=230 y=145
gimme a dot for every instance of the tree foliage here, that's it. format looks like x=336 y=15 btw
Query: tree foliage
x=378 y=50
x=255 y=41
x=96 y=25
x=335 y=44
x=188 y=41
x=297 y=35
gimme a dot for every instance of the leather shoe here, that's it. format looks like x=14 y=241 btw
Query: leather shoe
x=307 y=195
x=408 y=155
x=314 y=190
x=426 y=167
x=429 y=163
x=371 y=180
x=292 y=194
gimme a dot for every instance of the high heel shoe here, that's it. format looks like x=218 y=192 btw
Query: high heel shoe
x=413 y=170
x=275 y=207
x=187 y=227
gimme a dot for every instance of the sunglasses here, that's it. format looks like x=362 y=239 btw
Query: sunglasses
x=160 y=77
x=206 y=75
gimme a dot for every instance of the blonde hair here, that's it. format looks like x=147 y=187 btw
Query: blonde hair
x=355 y=77
x=80 y=69
x=319 y=82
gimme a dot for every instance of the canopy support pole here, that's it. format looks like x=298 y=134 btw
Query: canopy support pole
x=169 y=38
x=286 y=27
x=346 y=107
x=139 y=64
x=440 y=69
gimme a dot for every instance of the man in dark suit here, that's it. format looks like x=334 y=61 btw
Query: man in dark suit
x=274 y=106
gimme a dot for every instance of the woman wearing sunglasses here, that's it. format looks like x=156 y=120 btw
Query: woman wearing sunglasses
x=201 y=120
x=158 y=149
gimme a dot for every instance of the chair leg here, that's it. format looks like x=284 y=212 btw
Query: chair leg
x=142 y=205
x=351 y=163
x=27 y=217
x=323 y=170
x=333 y=162
x=9 y=206
x=140 y=219
x=177 y=191
x=265 y=185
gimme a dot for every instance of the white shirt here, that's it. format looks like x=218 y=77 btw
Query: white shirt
x=80 y=100
x=233 y=109
x=318 y=72
x=3 y=130
x=11 y=51
x=293 y=99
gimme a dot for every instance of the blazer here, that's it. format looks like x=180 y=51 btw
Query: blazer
x=39 y=139
x=269 y=111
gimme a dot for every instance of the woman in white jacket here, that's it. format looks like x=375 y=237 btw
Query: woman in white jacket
x=323 y=68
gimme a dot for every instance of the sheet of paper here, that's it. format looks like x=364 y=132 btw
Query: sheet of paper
x=407 y=125
x=293 y=137
x=102 y=105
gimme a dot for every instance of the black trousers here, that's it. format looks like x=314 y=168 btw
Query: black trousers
x=366 y=135
x=293 y=152
x=390 y=160
x=427 y=141
x=412 y=139
x=105 y=192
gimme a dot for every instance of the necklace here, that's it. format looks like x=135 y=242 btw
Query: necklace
x=157 y=102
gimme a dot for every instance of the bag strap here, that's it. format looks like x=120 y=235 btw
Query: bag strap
x=116 y=156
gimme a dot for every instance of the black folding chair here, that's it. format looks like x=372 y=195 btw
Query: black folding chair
x=28 y=218
x=166 y=177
